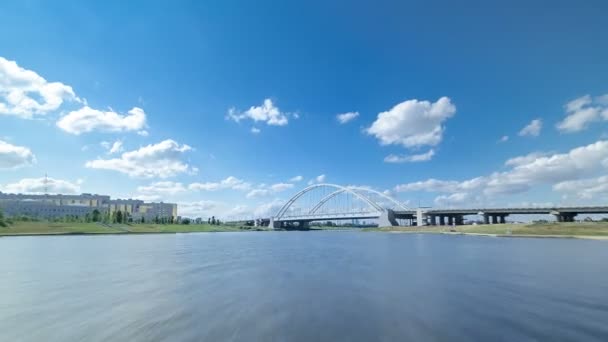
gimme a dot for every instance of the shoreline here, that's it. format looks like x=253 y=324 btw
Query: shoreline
x=536 y=236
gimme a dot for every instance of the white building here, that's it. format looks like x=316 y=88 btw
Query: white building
x=53 y=206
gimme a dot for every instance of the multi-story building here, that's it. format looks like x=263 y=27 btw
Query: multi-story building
x=53 y=206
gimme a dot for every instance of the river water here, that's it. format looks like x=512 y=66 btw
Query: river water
x=302 y=286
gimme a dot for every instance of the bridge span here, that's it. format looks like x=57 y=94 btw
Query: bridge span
x=331 y=202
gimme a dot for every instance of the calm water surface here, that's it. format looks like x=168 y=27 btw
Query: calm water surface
x=302 y=286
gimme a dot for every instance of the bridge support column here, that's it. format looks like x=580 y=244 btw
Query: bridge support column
x=565 y=217
x=275 y=224
x=451 y=220
x=387 y=219
x=486 y=219
x=441 y=220
x=433 y=220
x=303 y=224
x=459 y=220
x=420 y=218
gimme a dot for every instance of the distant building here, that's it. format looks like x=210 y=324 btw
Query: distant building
x=54 y=206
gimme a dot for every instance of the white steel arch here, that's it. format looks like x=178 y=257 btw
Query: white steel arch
x=339 y=189
x=358 y=190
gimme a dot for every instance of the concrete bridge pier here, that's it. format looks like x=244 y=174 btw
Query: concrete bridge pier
x=387 y=219
x=564 y=217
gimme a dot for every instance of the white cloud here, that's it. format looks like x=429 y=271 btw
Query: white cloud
x=296 y=179
x=13 y=157
x=532 y=129
x=264 y=190
x=24 y=93
x=267 y=112
x=161 y=160
x=255 y=130
x=413 y=123
x=228 y=183
x=504 y=138
x=115 y=147
x=38 y=186
x=526 y=172
x=281 y=187
x=268 y=209
x=162 y=188
x=87 y=119
x=528 y=158
x=392 y=158
x=455 y=199
x=143 y=133
x=585 y=188
x=255 y=193
x=346 y=117
x=202 y=209
x=318 y=179
x=583 y=111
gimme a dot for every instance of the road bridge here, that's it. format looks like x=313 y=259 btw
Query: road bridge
x=331 y=202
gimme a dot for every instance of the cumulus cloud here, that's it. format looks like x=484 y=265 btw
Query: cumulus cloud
x=296 y=179
x=525 y=172
x=255 y=193
x=318 y=179
x=255 y=130
x=455 y=199
x=347 y=117
x=267 y=112
x=413 y=123
x=268 y=209
x=585 y=188
x=87 y=119
x=24 y=93
x=38 y=186
x=162 y=160
x=13 y=157
x=202 y=209
x=162 y=188
x=115 y=147
x=264 y=190
x=228 y=183
x=532 y=129
x=414 y=158
x=583 y=111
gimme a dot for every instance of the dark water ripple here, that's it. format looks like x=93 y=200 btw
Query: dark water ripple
x=314 y=286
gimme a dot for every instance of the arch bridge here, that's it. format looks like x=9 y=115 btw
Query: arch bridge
x=329 y=202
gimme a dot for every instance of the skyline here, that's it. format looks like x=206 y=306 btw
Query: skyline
x=222 y=119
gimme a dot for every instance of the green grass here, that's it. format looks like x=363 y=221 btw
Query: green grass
x=539 y=229
x=32 y=228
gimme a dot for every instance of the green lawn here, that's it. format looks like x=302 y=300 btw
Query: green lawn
x=21 y=228
x=551 y=228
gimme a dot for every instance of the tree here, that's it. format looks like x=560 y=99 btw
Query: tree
x=119 y=216
x=213 y=220
x=217 y=222
x=2 y=223
x=95 y=215
x=186 y=221
x=209 y=220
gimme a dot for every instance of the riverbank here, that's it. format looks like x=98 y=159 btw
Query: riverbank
x=587 y=230
x=60 y=228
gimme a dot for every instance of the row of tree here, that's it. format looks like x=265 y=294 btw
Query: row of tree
x=117 y=216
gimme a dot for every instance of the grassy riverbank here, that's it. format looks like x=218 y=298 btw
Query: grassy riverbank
x=562 y=229
x=52 y=228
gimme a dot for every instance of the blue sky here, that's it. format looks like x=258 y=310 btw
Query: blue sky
x=436 y=85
